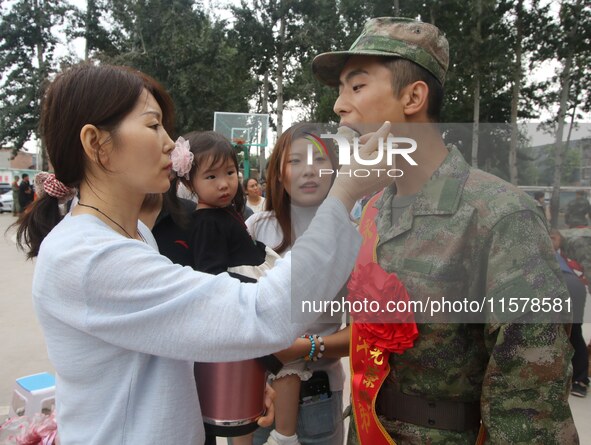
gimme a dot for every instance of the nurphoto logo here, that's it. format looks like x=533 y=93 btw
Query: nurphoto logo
x=393 y=146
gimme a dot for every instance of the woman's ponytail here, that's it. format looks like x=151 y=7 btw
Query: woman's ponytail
x=35 y=222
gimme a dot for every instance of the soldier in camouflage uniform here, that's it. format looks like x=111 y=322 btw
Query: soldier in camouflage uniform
x=451 y=231
x=577 y=210
x=577 y=245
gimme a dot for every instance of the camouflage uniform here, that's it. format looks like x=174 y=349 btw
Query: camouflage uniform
x=577 y=211
x=470 y=234
x=577 y=246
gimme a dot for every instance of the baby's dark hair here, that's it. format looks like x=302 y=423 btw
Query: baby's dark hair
x=212 y=147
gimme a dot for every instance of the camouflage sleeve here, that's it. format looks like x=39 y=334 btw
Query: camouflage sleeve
x=522 y=275
x=527 y=380
x=526 y=386
x=579 y=249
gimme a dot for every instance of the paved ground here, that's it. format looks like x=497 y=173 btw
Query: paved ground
x=22 y=349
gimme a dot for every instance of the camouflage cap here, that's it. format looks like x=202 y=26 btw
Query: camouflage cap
x=421 y=43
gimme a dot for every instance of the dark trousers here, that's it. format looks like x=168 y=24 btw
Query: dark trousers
x=580 y=360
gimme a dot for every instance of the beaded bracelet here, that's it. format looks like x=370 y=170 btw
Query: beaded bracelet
x=320 y=348
x=310 y=356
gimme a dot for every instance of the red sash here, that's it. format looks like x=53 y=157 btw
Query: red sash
x=369 y=364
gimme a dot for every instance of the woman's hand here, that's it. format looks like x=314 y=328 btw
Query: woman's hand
x=348 y=187
x=269 y=417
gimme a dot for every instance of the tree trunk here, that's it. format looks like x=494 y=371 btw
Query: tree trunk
x=558 y=144
x=570 y=132
x=40 y=49
x=265 y=98
x=515 y=100
x=280 y=67
x=264 y=110
x=89 y=12
x=476 y=125
x=396 y=8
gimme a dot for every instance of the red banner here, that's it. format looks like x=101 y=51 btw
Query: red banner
x=369 y=369
x=373 y=340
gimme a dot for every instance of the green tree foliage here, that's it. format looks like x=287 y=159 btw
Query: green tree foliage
x=180 y=46
x=321 y=30
x=263 y=56
x=275 y=34
x=27 y=45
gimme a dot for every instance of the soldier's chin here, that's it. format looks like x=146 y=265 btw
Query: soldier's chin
x=368 y=128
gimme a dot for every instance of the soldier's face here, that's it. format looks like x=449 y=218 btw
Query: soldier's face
x=366 y=98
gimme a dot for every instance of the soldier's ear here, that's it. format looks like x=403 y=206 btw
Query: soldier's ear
x=415 y=98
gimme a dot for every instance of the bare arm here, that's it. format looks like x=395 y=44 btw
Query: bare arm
x=335 y=346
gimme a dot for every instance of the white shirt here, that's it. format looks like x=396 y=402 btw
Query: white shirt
x=123 y=324
x=257 y=207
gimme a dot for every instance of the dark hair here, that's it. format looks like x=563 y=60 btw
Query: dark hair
x=83 y=94
x=25 y=175
x=538 y=195
x=245 y=182
x=277 y=198
x=404 y=72
x=213 y=147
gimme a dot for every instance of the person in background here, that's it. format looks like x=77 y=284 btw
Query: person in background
x=25 y=193
x=576 y=283
x=578 y=210
x=541 y=203
x=122 y=324
x=295 y=190
x=263 y=185
x=16 y=207
x=254 y=199
x=576 y=244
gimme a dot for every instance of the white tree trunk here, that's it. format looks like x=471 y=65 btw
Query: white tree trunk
x=558 y=144
x=280 y=67
x=476 y=125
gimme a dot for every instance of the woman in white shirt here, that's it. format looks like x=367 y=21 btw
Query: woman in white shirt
x=254 y=196
x=121 y=322
x=298 y=180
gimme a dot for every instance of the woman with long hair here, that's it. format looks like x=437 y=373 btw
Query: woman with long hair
x=122 y=324
x=300 y=173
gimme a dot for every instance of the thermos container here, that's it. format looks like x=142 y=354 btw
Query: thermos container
x=231 y=396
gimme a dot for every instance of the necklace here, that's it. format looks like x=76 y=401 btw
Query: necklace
x=113 y=221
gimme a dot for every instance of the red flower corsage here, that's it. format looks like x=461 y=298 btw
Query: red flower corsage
x=385 y=319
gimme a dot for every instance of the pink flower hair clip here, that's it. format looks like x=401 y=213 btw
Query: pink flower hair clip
x=182 y=158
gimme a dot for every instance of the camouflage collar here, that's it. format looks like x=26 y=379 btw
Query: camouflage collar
x=441 y=195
